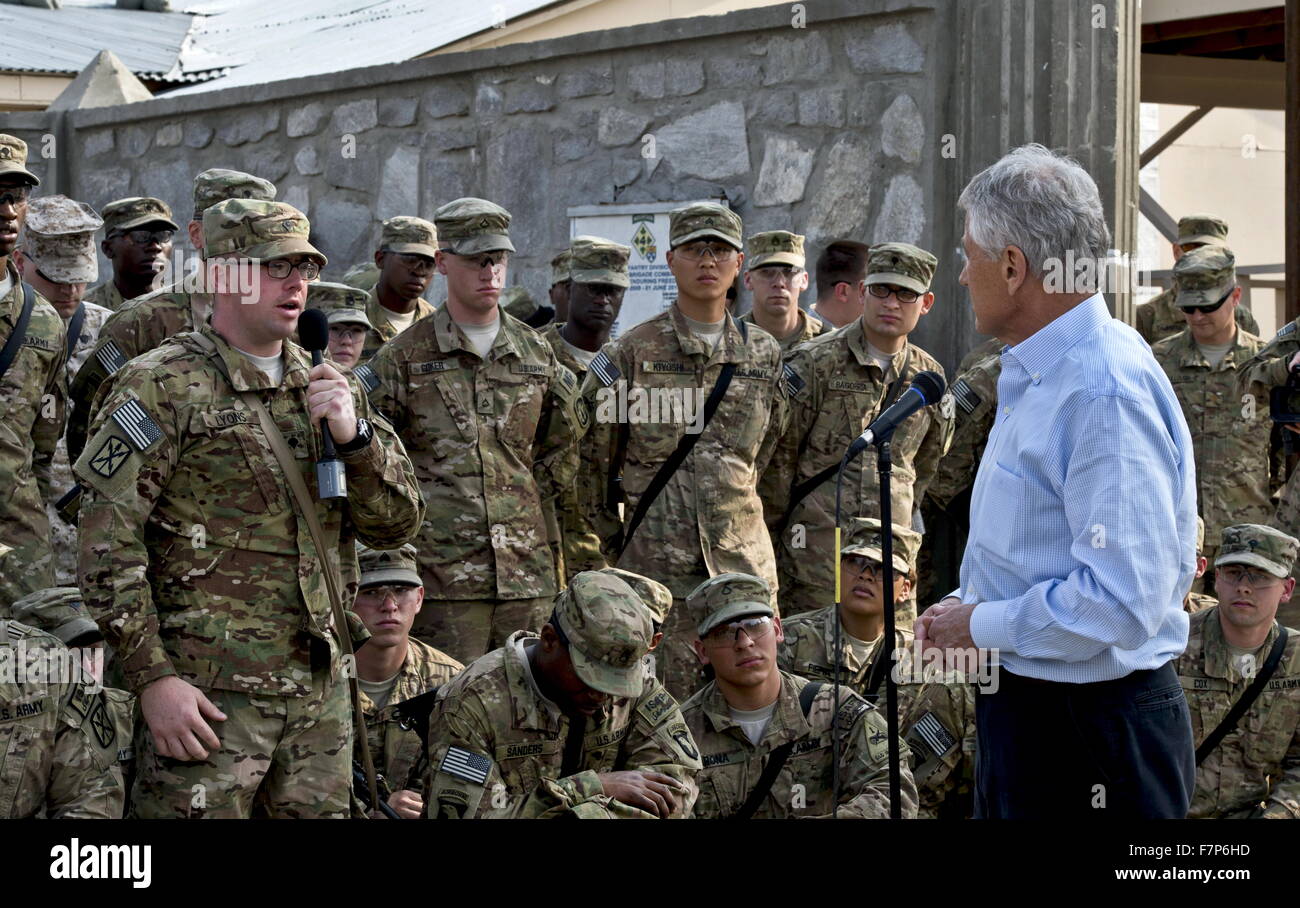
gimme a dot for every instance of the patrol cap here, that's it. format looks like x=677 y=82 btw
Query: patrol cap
x=1204 y=275
x=865 y=538
x=258 y=230
x=216 y=185
x=347 y=317
x=379 y=567
x=128 y=214
x=469 y=226
x=656 y=597
x=1258 y=546
x=410 y=235
x=13 y=159
x=902 y=265
x=607 y=630
x=518 y=302
x=599 y=261
x=560 y=268
x=329 y=296
x=703 y=220
x=59 y=236
x=1202 y=228
x=727 y=597
x=57 y=611
x=363 y=276
x=774 y=247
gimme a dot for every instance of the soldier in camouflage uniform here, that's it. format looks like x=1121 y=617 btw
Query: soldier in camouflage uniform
x=31 y=399
x=363 y=276
x=775 y=275
x=58 y=746
x=58 y=259
x=144 y=323
x=193 y=562
x=647 y=390
x=598 y=279
x=344 y=308
x=59 y=611
x=1162 y=317
x=565 y=724
x=839 y=383
x=392 y=669
x=519 y=303
x=137 y=241
x=1230 y=438
x=989 y=347
x=407 y=247
x=1255 y=769
x=1196 y=601
x=491 y=421
x=559 y=292
x=752 y=708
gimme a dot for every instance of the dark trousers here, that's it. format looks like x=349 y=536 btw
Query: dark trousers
x=1117 y=749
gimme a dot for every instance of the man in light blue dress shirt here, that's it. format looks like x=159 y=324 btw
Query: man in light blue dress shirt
x=1083 y=520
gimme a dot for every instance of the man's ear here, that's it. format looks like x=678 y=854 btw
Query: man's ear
x=106 y=247
x=550 y=640
x=379 y=258
x=1015 y=268
x=748 y=286
x=700 y=652
x=800 y=282
x=419 y=603
x=926 y=302
x=776 y=627
x=195 y=230
x=20 y=261
x=439 y=261
x=1288 y=587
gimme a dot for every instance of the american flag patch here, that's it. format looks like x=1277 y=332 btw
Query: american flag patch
x=935 y=736
x=965 y=396
x=110 y=358
x=138 y=425
x=791 y=383
x=366 y=375
x=467 y=765
x=605 y=370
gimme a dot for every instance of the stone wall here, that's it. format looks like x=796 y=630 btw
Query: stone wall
x=865 y=122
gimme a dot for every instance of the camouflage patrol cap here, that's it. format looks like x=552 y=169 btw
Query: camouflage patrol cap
x=902 y=265
x=57 y=611
x=1259 y=546
x=560 y=268
x=127 y=214
x=1203 y=276
x=363 y=276
x=410 y=235
x=775 y=247
x=388 y=566
x=470 y=226
x=13 y=159
x=865 y=538
x=257 y=230
x=216 y=185
x=348 y=317
x=727 y=597
x=656 y=597
x=598 y=261
x=59 y=236
x=518 y=302
x=607 y=630
x=329 y=296
x=1202 y=228
x=703 y=220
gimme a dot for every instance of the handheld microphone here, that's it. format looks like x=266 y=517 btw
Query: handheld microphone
x=926 y=389
x=331 y=476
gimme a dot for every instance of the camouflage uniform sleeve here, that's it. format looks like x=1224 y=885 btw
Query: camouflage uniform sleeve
x=564 y=420
x=386 y=397
x=864 y=760
x=85 y=780
x=1268 y=367
x=935 y=444
x=88 y=381
x=799 y=391
x=48 y=427
x=1284 y=799
x=660 y=741
x=1144 y=321
x=597 y=522
x=939 y=728
x=123 y=474
x=777 y=420
x=383 y=495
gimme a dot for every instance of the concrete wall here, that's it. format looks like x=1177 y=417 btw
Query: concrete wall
x=864 y=123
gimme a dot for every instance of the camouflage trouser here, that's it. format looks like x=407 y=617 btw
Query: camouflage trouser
x=279 y=757
x=467 y=628
x=676 y=665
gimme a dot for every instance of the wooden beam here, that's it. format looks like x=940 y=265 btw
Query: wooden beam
x=1292 y=140
x=1201 y=81
x=1153 y=150
x=1156 y=214
x=1209 y=25
x=1221 y=42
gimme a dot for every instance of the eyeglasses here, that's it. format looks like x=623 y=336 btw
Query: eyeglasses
x=347 y=332
x=696 y=252
x=493 y=260
x=1206 y=310
x=280 y=268
x=1254 y=579
x=14 y=195
x=145 y=237
x=379 y=594
x=882 y=292
x=755 y=629
x=770 y=274
x=860 y=564
x=416 y=264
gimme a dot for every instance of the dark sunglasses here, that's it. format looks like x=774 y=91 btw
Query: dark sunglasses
x=1206 y=310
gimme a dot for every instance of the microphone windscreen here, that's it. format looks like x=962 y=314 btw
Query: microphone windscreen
x=314 y=330
x=931 y=386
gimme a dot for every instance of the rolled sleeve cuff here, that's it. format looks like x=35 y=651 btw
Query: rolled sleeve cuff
x=988 y=626
x=583 y=785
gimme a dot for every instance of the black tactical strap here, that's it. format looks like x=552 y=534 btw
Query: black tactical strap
x=571 y=762
x=19 y=334
x=74 y=327
x=775 y=760
x=1239 y=708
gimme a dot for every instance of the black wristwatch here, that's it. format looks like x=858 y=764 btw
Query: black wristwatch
x=364 y=434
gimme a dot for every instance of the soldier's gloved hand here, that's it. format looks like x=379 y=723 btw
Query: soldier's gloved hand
x=175 y=711
x=651 y=791
x=408 y=804
x=329 y=398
